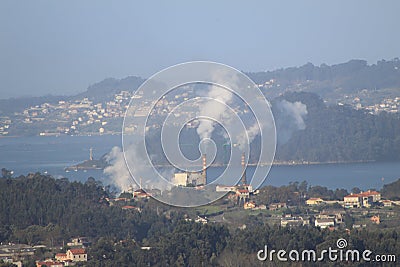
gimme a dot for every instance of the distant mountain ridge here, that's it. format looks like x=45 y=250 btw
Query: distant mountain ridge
x=354 y=78
x=106 y=89
x=334 y=84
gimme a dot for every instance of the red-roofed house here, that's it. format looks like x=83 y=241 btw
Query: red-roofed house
x=242 y=195
x=77 y=254
x=363 y=199
x=376 y=196
x=140 y=193
x=61 y=256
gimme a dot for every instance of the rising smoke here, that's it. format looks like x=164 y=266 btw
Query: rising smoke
x=289 y=117
x=120 y=176
x=118 y=171
x=218 y=112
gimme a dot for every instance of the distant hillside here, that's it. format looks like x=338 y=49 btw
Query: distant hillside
x=337 y=82
x=9 y=106
x=98 y=92
x=105 y=90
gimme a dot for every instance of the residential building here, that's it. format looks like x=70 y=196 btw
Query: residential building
x=79 y=242
x=242 y=195
x=201 y=220
x=61 y=257
x=140 y=193
x=324 y=223
x=314 y=201
x=363 y=199
x=77 y=254
x=225 y=188
x=352 y=201
x=376 y=196
x=336 y=215
x=293 y=221
x=386 y=203
x=249 y=205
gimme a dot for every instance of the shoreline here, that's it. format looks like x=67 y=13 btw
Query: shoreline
x=274 y=163
x=282 y=163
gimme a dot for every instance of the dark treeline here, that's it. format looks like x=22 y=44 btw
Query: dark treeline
x=392 y=190
x=340 y=133
x=39 y=209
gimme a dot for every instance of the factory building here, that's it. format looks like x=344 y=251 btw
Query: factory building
x=191 y=178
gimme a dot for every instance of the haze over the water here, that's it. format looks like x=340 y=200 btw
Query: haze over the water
x=61 y=47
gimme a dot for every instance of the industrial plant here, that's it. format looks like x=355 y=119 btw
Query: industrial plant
x=192 y=178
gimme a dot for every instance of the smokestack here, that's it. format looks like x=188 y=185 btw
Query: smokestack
x=204 y=168
x=243 y=169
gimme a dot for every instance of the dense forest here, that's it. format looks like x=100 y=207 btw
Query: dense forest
x=392 y=190
x=39 y=209
x=339 y=133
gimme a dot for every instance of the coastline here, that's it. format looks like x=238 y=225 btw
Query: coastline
x=274 y=163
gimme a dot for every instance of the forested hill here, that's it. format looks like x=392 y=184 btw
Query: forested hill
x=340 y=133
x=105 y=89
x=39 y=209
x=334 y=83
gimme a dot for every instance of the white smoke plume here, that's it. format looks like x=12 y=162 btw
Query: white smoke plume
x=297 y=110
x=121 y=177
x=290 y=118
x=248 y=136
x=118 y=171
x=220 y=113
x=206 y=127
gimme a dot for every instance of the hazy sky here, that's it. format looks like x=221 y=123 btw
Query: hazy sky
x=61 y=47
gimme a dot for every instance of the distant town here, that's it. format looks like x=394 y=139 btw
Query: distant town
x=86 y=117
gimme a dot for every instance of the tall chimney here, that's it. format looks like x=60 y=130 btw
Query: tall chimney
x=204 y=174
x=243 y=169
